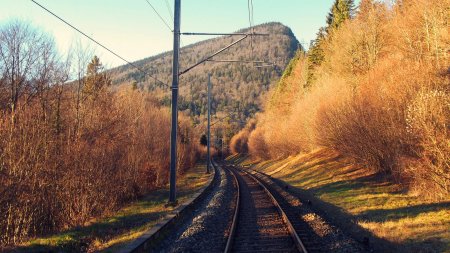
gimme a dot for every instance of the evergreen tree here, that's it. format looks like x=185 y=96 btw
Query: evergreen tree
x=134 y=85
x=340 y=11
x=96 y=79
x=315 y=56
x=204 y=140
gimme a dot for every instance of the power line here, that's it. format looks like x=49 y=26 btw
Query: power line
x=211 y=56
x=98 y=43
x=253 y=20
x=238 y=61
x=250 y=21
x=224 y=34
x=160 y=17
x=169 y=9
x=250 y=12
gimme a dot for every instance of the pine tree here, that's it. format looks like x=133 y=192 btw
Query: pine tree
x=134 y=85
x=340 y=12
x=204 y=140
x=96 y=79
x=315 y=56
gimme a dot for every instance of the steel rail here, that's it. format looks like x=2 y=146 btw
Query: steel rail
x=298 y=242
x=235 y=215
x=158 y=232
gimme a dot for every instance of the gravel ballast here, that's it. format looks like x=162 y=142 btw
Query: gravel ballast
x=207 y=228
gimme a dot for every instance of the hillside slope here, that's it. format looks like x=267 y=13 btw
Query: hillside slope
x=361 y=203
x=349 y=94
x=237 y=87
x=360 y=122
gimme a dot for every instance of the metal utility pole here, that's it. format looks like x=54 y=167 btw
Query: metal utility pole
x=176 y=73
x=221 y=144
x=209 y=123
x=175 y=79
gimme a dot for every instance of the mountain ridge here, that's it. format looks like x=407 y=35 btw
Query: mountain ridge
x=169 y=52
x=237 y=87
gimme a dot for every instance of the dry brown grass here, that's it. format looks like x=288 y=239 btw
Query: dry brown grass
x=53 y=179
x=112 y=232
x=70 y=152
x=238 y=144
x=73 y=151
x=381 y=97
x=405 y=222
x=257 y=145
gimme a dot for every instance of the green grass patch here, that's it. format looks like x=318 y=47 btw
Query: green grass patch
x=376 y=204
x=114 y=231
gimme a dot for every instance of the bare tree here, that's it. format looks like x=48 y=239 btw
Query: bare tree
x=22 y=47
x=82 y=56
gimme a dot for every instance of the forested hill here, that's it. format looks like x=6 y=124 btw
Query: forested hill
x=237 y=87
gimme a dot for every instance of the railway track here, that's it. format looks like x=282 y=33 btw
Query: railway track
x=315 y=234
x=205 y=228
x=259 y=222
x=303 y=230
x=246 y=211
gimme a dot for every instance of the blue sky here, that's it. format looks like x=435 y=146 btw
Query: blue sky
x=133 y=30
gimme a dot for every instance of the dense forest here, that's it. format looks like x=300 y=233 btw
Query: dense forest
x=79 y=141
x=374 y=86
x=74 y=150
x=237 y=88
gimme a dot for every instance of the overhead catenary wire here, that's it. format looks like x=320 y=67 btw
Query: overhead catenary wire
x=223 y=34
x=169 y=9
x=98 y=43
x=238 y=61
x=160 y=17
x=250 y=14
x=230 y=115
x=253 y=20
x=214 y=54
x=252 y=32
x=250 y=21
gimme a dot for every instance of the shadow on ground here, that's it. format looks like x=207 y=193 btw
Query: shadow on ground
x=133 y=218
x=382 y=215
x=359 y=190
x=79 y=239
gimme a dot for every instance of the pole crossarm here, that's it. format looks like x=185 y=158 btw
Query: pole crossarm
x=267 y=65
x=211 y=56
x=239 y=61
x=225 y=34
x=241 y=122
x=220 y=119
